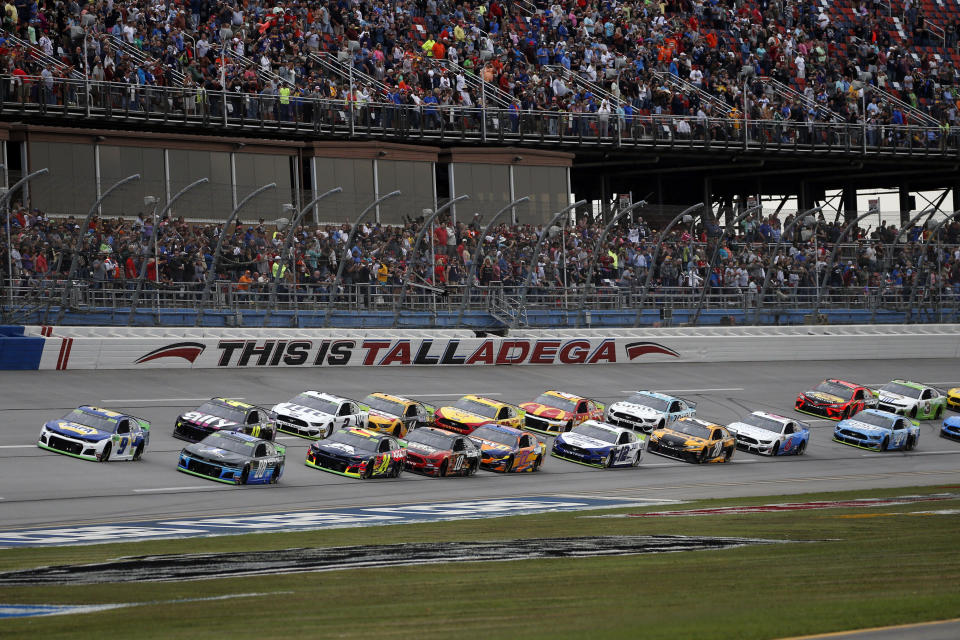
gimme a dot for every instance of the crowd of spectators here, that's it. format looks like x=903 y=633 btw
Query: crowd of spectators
x=115 y=251
x=617 y=59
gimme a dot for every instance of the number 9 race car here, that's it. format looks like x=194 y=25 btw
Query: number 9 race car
x=223 y=414
x=91 y=433
x=694 y=440
x=835 y=399
x=233 y=458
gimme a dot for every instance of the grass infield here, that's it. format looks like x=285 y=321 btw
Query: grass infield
x=872 y=566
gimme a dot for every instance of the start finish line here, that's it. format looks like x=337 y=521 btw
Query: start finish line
x=310 y=520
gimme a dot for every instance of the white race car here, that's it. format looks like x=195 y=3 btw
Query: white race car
x=315 y=415
x=770 y=435
x=647 y=410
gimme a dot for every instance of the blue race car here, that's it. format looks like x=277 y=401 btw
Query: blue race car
x=951 y=428
x=91 y=433
x=234 y=458
x=878 y=431
x=598 y=444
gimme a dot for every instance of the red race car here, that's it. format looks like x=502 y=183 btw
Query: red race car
x=436 y=452
x=555 y=412
x=835 y=399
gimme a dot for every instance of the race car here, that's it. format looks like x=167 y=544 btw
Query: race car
x=951 y=428
x=470 y=412
x=953 y=398
x=647 y=410
x=835 y=399
x=91 y=433
x=770 y=435
x=598 y=444
x=437 y=452
x=877 y=430
x=507 y=449
x=694 y=440
x=395 y=414
x=315 y=415
x=234 y=458
x=358 y=453
x=222 y=414
x=911 y=399
x=554 y=412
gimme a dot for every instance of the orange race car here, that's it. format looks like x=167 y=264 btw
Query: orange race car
x=507 y=449
x=470 y=412
x=557 y=412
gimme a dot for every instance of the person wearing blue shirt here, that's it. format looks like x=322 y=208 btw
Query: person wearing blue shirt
x=543 y=56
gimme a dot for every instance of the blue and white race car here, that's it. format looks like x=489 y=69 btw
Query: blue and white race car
x=770 y=435
x=91 y=433
x=878 y=431
x=951 y=428
x=648 y=410
x=234 y=458
x=597 y=444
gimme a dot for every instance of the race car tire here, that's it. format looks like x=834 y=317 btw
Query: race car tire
x=275 y=476
x=472 y=468
x=537 y=463
x=911 y=444
x=661 y=424
x=105 y=456
x=245 y=474
x=845 y=414
x=884 y=444
x=443 y=469
x=608 y=461
x=636 y=460
x=728 y=454
x=568 y=426
x=397 y=430
x=801 y=448
x=776 y=449
x=138 y=454
x=397 y=470
x=327 y=432
x=368 y=471
x=508 y=465
x=938 y=413
x=702 y=458
x=913 y=413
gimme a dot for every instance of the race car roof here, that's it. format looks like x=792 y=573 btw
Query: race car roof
x=389 y=396
x=601 y=425
x=502 y=428
x=773 y=416
x=564 y=395
x=235 y=435
x=654 y=394
x=103 y=413
x=876 y=412
x=487 y=401
x=844 y=383
x=329 y=397
x=701 y=422
x=912 y=385
x=236 y=404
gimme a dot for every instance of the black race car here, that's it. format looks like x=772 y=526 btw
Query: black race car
x=358 y=453
x=234 y=458
x=221 y=414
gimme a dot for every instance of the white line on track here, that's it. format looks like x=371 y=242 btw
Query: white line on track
x=122 y=400
x=912 y=453
x=688 y=390
x=454 y=395
x=17 y=446
x=288 y=438
x=160 y=489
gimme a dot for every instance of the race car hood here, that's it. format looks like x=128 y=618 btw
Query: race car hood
x=824 y=398
x=582 y=441
x=215 y=454
x=381 y=417
x=423 y=449
x=308 y=414
x=209 y=421
x=465 y=417
x=497 y=448
x=638 y=410
x=681 y=439
x=896 y=398
x=544 y=411
x=862 y=427
x=77 y=431
x=753 y=432
x=339 y=449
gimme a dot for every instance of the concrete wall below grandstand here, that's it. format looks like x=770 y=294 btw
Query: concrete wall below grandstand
x=63 y=348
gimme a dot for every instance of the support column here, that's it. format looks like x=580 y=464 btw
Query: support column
x=956 y=196
x=849 y=203
x=707 y=197
x=906 y=204
x=803 y=197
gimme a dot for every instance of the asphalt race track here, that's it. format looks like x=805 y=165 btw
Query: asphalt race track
x=39 y=488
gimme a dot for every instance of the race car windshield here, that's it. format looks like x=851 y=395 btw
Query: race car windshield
x=355 y=441
x=764 y=423
x=222 y=411
x=901 y=390
x=874 y=420
x=227 y=443
x=324 y=406
x=649 y=401
x=99 y=423
x=692 y=429
x=597 y=433
x=557 y=403
x=431 y=439
x=495 y=435
x=834 y=389
x=478 y=408
x=385 y=406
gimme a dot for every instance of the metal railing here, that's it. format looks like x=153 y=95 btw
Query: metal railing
x=179 y=106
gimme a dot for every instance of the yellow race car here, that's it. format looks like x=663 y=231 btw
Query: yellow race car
x=953 y=398
x=556 y=412
x=693 y=440
x=470 y=412
x=395 y=415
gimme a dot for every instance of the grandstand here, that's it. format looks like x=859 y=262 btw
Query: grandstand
x=720 y=103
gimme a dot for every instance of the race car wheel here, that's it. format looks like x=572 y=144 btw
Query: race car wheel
x=397 y=431
x=801 y=448
x=636 y=461
x=845 y=414
x=702 y=458
x=608 y=461
x=275 y=476
x=884 y=444
x=568 y=426
x=537 y=463
x=911 y=444
x=368 y=471
x=327 y=432
x=138 y=454
x=913 y=413
x=106 y=452
x=397 y=469
x=776 y=449
x=508 y=465
x=245 y=474
x=472 y=468
x=938 y=413
x=728 y=454
x=443 y=469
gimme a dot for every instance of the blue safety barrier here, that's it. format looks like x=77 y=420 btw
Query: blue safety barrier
x=19 y=352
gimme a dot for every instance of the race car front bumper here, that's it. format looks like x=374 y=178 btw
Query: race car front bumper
x=209 y=470
x=683 y=454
